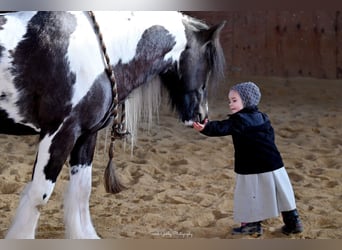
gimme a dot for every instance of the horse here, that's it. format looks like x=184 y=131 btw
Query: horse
x=63 y=75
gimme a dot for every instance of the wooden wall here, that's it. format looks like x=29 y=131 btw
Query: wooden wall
x=281 y=43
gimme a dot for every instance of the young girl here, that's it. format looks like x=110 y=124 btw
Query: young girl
x=263 y=189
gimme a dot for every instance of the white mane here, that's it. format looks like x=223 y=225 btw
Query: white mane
x=141 y=105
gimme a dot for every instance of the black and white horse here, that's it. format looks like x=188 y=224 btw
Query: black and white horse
x=53 y=83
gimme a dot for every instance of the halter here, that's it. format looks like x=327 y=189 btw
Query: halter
x=119 y=130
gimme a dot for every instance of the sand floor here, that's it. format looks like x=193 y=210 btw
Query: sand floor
x=180 y=183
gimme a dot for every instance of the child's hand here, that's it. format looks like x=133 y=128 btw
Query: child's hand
x=200 y=126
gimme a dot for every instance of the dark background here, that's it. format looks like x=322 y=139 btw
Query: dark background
x=280 y=43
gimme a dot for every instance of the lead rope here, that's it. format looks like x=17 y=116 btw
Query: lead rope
x=119 y=131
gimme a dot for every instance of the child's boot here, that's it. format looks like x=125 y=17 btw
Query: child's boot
x=292 y=222
x=251 y=228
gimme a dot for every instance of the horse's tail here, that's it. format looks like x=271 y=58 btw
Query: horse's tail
x=111 y=182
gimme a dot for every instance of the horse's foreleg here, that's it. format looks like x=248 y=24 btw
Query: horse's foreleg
x=76 y=203
x=49 y=161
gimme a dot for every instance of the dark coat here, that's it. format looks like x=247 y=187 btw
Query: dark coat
x=253 y=138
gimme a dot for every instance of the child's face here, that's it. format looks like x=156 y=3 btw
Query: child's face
x=235 y=101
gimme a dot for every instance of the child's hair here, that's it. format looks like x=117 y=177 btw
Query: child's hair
x=249 y=93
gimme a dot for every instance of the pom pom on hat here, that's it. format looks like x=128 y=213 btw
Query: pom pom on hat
x=249 y=93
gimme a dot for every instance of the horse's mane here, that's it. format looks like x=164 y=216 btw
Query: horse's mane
x=141 y=105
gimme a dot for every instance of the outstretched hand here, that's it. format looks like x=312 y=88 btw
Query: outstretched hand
x=200 y=126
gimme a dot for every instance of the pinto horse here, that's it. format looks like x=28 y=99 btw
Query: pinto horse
x=54 y=82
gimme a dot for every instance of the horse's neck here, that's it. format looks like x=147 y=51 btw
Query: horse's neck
x=130 y=77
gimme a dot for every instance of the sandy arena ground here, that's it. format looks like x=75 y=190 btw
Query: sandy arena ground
x=180 y=183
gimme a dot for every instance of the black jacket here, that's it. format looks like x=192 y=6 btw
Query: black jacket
x=253 y=138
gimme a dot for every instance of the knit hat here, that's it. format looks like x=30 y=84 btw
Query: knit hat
x=249 y=93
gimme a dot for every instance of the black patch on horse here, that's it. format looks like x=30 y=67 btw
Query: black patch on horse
x=1 y=50
x=154 y=43
x=3 y=21
x=8 y=126
x=39 y=66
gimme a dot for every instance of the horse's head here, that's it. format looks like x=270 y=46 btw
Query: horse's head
x=201 y=62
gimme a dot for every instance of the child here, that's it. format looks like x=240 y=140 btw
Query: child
x=263 y=188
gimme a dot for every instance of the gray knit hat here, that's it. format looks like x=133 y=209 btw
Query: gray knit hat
x=249 y=93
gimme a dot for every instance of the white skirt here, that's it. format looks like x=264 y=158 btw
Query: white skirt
x=261 y=196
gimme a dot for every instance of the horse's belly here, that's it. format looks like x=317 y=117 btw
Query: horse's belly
x=9 y=126
x=11 y=120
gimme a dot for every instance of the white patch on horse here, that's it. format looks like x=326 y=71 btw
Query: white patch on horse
x=84 y=56
x=42 y=160
x=14 y=29
x=129 y=27
x=36 y=193
x=11 y=34
x=76 y=204
x=26 y=218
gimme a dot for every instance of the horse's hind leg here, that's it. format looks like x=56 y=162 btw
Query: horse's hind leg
x=52 y=153
x=76 y=203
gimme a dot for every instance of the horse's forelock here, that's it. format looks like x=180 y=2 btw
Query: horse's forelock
x=194 y=24
x=217 y=60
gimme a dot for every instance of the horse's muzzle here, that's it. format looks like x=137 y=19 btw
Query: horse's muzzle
x=200 y=119
x=189 y=123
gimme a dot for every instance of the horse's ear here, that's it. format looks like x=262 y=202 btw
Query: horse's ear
x=213 y=33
